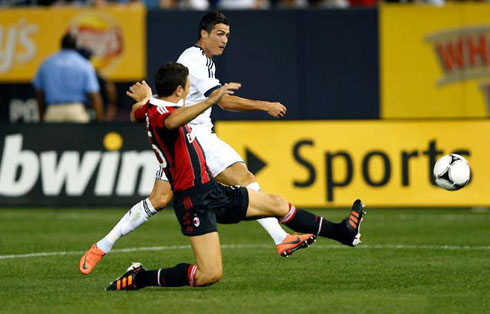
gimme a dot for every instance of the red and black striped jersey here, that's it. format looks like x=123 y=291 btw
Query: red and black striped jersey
x=177 y=150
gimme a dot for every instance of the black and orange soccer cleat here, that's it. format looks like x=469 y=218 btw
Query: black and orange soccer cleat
x=127 y=281
x=294 y=242
x=353 y=224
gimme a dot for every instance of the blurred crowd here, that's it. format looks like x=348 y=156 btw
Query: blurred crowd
x=224 y=4
x=200 y=4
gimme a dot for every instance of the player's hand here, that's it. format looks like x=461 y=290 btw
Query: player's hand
x=227 y=89
x=139 y=91
x=276 y=109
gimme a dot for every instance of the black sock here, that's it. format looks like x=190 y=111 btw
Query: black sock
x=305 y=222
x=177 y=276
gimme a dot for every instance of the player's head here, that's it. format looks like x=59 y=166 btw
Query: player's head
x=172 y=79
x=69 y=41
x=214 y=30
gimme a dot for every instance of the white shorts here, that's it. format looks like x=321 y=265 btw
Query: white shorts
x=218 y=154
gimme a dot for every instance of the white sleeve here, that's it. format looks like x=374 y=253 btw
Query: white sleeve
x=200 y=73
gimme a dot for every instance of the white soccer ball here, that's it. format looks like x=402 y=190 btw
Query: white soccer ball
x=452 y=172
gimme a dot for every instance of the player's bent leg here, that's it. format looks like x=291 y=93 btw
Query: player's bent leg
x=135 y=217
x=207 y=252
x=227 y=167
x=208 y=269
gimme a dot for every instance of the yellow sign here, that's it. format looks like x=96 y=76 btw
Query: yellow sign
x=116 y=37
x=385 y=163
x=435 y=61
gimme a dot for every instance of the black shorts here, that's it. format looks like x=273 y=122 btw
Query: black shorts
x=198 y=210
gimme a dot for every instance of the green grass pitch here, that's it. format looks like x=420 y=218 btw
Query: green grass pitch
x=410 y=261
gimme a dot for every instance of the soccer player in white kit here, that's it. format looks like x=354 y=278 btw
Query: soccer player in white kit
x=224 y=163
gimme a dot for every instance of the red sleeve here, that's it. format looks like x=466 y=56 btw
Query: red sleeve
x=139 y=114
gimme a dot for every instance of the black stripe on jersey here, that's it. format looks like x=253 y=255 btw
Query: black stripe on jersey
x=212 y=89
x=196 y=164
x=211 y=73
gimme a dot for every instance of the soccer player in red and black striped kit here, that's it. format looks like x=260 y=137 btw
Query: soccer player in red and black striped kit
x=199 y=201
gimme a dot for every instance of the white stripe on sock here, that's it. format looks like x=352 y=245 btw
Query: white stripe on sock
x=158 y=277
x=320 y=227
x=291 y=212
x=193 y=273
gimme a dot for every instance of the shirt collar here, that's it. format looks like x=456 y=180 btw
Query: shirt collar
x=160 y=102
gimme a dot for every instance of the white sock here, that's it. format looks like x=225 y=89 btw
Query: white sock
x=135 y=217
x=270 y=224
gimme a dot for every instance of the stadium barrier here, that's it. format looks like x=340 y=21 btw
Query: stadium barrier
x=312 y=163
x=385 y=163
x=75 y=165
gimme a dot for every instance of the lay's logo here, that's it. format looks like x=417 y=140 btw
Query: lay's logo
x=100 y=34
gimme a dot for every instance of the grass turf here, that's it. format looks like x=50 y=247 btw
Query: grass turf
x=413 y=261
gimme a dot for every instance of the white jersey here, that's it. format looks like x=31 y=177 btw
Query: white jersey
x=203 y=81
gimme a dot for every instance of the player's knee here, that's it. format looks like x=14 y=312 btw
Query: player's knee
x=215 y=276
x=250 y=178
x=279 y=205
x=210 y=277
x=246 y=178
x=160 y=201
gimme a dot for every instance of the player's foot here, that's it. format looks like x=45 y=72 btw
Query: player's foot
x=353 y=224
x=294 y=242
x=90 y=259
x=127 y=281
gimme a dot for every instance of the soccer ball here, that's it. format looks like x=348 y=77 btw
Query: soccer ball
x=452 y=172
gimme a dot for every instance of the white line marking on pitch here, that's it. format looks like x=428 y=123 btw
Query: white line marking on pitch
x=237 y=246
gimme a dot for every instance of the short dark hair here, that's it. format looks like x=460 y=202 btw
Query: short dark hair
x=209 y=20
x=69 y=41
x=170 y=76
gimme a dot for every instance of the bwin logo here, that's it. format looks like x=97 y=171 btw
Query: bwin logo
x=115 y=172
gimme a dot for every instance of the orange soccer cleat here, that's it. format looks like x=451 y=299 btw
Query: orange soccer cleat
x=90 y=259
x=294 y=242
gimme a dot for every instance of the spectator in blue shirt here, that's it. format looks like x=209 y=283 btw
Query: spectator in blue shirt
x=63 y=83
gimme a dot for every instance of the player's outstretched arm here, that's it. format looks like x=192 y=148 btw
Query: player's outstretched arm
x=141 y=93
x=235 y=103
x=185 y=114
